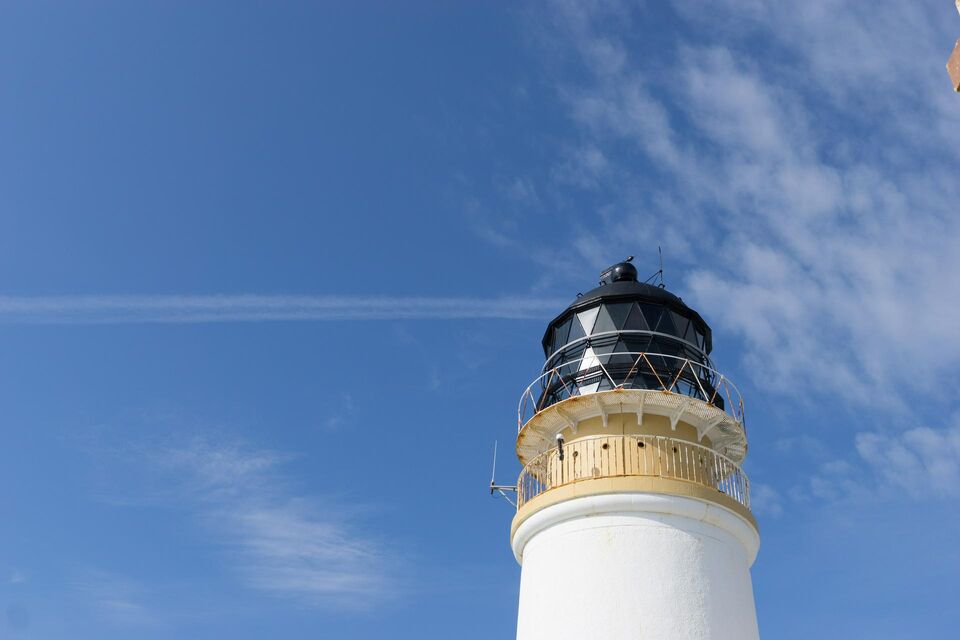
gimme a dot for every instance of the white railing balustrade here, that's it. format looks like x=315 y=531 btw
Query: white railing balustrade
x=652 y=371
x=632 y=455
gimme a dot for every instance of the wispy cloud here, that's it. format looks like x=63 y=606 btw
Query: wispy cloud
x=342 y=415
x=286 y=544
x=117 y=599
x=765 y=500
x=920 y=463
x=924 y=462
x=106 y=309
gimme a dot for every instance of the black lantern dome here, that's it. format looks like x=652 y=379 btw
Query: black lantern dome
x=627 y=334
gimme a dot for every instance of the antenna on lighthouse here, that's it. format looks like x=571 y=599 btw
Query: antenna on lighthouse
x=663 y=283
x=658 y=275
x=500 y=488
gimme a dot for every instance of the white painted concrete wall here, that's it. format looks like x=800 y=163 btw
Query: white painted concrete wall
x=656 y=567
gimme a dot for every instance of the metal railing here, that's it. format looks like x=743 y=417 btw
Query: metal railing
x=632 y=455
x=595 y=337
x=630 y=370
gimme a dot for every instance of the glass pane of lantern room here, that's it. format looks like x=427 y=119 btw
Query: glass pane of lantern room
x=619 y=312
x=589 y=360
x=604 y=322
x=589 y=388
x=635 y=320
x=576 y=330
x=651 y=313
x=623 y=357
x=569 y=359
x=637 y=342
x=588 y=318
x=666 y=324
x=560 y=334
x=679 y=324
x=601 y=350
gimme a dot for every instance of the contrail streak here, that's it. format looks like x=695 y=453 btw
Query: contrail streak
x=124 y=309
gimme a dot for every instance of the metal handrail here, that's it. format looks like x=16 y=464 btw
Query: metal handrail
x=632 y=455
x=621 y=332
x=572 y=382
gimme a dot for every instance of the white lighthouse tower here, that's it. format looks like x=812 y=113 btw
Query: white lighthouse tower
x=633 y=515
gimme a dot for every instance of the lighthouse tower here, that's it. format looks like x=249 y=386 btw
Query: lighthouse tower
x=633 y=515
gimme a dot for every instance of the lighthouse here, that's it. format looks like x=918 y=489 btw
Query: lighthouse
x=633 y=513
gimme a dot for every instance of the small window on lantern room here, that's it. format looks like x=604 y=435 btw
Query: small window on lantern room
x=575 y=352
x=560 y=334
x=604 y=323
x=666 y=324
x=691 y=334
x=679 y=324
x=576 y=330
x=623 y=351
x=603 y=348
x=635 y=320
x=588 y=319
x=651 y=313
x=619 y=312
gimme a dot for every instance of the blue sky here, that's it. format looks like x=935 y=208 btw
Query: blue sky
x=274 y=278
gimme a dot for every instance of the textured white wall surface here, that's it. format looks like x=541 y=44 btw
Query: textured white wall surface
x=656 y=567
